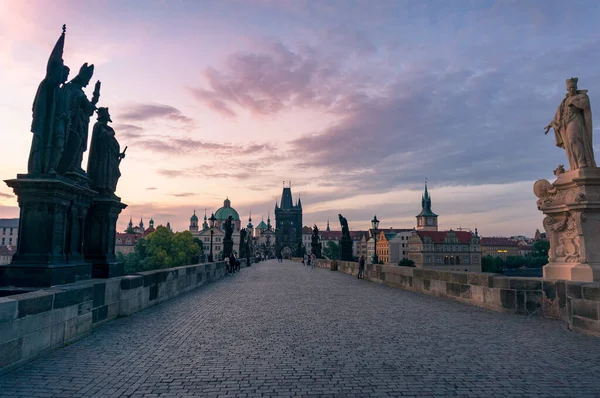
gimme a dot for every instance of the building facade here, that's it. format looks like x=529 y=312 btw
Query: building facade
x=444 y=250
x=9 y=230
x=499 y=247
x=203 y=232
x=288 y=224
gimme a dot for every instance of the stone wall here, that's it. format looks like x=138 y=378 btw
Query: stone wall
x=577 y=303
x=34 y=323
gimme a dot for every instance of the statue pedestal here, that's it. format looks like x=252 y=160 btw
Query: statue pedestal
x=99 y=244
x=346 y=249
x=227 y=247
x=53 y=211
x=572 y=208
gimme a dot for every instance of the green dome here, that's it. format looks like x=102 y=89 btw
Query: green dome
x=194 y=217
x=224 y=212
x=262 y=225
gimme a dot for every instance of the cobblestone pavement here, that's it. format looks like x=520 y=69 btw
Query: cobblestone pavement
x=280 y=329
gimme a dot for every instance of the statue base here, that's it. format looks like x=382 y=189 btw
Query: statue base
x=227 y=247
x=346 y=249
x=53 y=210
x=572 y=208
x=99 y=245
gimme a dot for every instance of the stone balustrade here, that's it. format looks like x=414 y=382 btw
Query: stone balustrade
x=577 y=303
x=34 y=323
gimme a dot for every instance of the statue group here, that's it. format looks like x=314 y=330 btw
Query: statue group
x=68 y=217
x=60 y=125
x=571 y=204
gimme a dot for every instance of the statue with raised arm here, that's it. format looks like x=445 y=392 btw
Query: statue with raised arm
x=44 y=110
x=344 y=224
x=572 y=125
x=79 y=110
x=105 y=156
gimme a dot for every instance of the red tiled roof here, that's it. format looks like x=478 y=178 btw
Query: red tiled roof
x=439 y=236
x=124 y=236
x=330 y=235
x=494 y=241
x=306 y=230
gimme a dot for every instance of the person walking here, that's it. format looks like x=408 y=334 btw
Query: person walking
x=361 y=267
x=232 y=263
x=305 y=259
x=313 y=260
x=227 y=265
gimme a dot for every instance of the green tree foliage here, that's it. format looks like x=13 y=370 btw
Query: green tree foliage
x=331 y=250
x=536 y=259
x=162 y=249
x=540 y=248
x=130 y=231
x=405 y=262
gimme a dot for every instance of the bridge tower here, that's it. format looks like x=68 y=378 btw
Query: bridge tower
x=288 y=222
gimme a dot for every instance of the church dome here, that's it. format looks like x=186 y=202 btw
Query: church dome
x=262 y=225
x=194 y=217
x=224 y=212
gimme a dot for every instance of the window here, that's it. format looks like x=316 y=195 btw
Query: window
x=11 y=231
x=3 y=241
x=466 y=260
x=128 y=241
x=10 y=241
x=118 y=241
x=3 y=231
x=438 y=260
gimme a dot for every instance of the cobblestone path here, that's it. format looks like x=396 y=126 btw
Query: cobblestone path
x=279 y=329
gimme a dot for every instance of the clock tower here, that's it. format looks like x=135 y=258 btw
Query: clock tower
x=426 y=219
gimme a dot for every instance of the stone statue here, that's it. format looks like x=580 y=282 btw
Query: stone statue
x=228 y=228
x=573 y=127
x=344 y=224
x=79 y=110
x=105 y=156
x=315 y=244
x=45 y=111
x=242 y=249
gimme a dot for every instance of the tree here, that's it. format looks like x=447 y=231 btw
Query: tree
x=540 y=248
x=488 y=264
x=162 y=249
x=130 y=231
x=405 y=262
x=331 y=250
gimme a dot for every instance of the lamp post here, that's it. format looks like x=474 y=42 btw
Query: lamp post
x=375 y=225
x=212 y=232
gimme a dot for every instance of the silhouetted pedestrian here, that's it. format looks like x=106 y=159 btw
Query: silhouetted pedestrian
x=361 y=267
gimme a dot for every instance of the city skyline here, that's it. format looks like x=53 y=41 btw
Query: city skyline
x=222 y=100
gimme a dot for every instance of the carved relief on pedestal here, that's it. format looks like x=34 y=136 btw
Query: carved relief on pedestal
x=551 y=196
x=563 y=234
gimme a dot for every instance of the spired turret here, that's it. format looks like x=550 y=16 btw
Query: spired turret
x=426 y=219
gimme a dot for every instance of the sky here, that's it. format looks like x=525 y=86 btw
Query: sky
x=355 y=102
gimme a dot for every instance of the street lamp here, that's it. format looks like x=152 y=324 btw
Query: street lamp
x=212 y=232
x=375 y=225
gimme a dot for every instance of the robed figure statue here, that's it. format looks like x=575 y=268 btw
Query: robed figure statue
x=47 y=111
x=573 y=127
x=79 y=110
x=228 y=228
x=344 y=225
x=105 y=156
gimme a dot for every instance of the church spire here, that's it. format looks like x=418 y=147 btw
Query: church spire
x=328 y=225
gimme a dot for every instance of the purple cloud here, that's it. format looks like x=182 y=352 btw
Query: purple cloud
x=144 y=112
